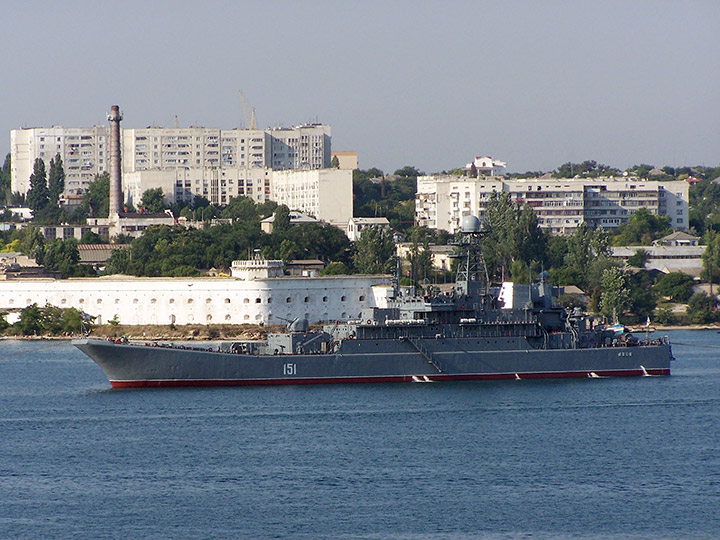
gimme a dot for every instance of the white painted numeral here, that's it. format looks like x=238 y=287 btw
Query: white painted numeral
x=289 y=369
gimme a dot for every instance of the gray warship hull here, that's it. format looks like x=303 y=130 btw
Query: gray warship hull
x=371 y=361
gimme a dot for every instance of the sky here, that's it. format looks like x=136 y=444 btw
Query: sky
x=429 y=84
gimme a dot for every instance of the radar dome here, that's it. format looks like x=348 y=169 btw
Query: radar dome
x=470 y=224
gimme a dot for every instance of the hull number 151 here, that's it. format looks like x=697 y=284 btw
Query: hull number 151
x=289 y=369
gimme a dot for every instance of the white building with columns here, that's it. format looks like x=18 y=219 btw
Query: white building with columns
x=251 y=296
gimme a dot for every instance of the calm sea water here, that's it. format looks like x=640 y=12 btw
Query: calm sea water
x=596 y=458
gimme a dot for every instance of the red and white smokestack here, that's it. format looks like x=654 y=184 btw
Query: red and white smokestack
x=116 y=197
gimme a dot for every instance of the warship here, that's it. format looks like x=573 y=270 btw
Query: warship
x=476 y=331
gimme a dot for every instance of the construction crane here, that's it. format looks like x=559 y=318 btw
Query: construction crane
x=249 y=115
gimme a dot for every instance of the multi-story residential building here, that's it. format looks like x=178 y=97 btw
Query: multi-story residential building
x=561 y=204
x=84 y=154
x=325 y=194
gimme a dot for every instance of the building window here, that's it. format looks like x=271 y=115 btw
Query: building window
x=227 y=300
x=307 y=299
x=172 y=301
x=288 y=300
x=342 y=299
x=246 y=300
x=362 y=298
x=258 y=300
x=190 y=301
x=208 y=300
x=135 y=300
x=325 y=298
x=153 y=300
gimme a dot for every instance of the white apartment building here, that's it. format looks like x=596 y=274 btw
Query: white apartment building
x=84 y=154
x=325 y=194
x=218 y=185
x=561 y=204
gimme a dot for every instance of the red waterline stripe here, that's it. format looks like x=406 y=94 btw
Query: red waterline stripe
x=385 y=379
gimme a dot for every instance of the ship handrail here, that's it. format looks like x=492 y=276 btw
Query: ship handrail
x=424 y=351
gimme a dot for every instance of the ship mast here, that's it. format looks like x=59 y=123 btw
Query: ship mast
x=472 y=276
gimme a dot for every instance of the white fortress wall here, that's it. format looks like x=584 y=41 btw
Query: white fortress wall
x=138 y=301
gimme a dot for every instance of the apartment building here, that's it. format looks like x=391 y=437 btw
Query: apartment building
x=84 y=153
x=561 y=204
x=325 y=194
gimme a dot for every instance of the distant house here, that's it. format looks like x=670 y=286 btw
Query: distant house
x=98 y=254
x=357 y=224
x=678 y=238
x=296 y=218
x=305 y=268
x=666 y=258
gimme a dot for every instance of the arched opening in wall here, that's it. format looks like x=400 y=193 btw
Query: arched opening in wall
x=82 y=300
x=307 y=316
x=344 y=315
x=171 y=301
x=153 y=300
x=325 y=316
x=190 y=301
x=258 y=317
x=99 y=300
x=172 y=319
x=191 y=317
x=117 y=300
x=98 y=319
x=343 y=298
x=153 y=319
x=135 y=301
x=361 y=298
x=258 y=300
x=246 y=300
x=246 y=317
x=208 y=318
x=63 y=301
x=227 y=300
x=269 y=300
x=288 y=300
x=208 y=300
x=306 y=299
x=359 y=315
x=28 y=301
x=228 y=318
x=325 y=298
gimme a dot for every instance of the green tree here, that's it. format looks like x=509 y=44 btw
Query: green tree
x=153 y=201
x=615 y=296
x=374 y=251
x=639 y=259
x=38 y=196
x=282 y=219
x=702 y=309
x=711 y=258
x=56 y=179
x=642 y=228
x=336 y=268
x=30 y=322
x=334 y=163
x=96 y=200
x=675 y=286
x=5 y=180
